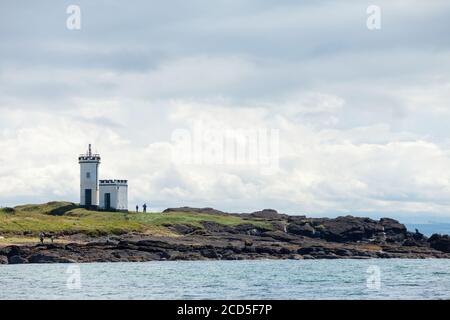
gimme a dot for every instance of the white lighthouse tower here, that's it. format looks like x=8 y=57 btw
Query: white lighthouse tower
x=89 y=163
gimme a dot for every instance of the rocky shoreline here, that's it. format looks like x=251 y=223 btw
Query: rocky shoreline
x=290 y=237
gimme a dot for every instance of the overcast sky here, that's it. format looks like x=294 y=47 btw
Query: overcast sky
x=363 y=116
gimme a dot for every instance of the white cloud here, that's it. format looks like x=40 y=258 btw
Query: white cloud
x=322 y=170
x=362 y=116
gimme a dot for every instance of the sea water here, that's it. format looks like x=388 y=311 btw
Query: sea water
x=264 y=279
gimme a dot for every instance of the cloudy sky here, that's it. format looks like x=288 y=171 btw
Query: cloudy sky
x=361 y=118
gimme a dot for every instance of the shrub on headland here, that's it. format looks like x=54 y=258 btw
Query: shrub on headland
x=8 y=210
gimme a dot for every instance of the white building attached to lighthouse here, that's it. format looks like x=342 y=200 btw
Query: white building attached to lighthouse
x=102 y=194
x=114 y=195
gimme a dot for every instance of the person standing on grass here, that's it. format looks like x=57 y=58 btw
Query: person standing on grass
x=137 y=208
x=41 y=237
x=145 y=207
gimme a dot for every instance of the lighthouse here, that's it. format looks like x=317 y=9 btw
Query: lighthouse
x=108 y=195
x=89 y=164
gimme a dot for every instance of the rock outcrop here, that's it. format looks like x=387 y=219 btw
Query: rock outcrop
x=195 y=210
x=348 y=229
x=269 y=214
x=440 y=242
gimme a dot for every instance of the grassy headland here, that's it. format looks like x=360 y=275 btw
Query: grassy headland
x=66 y=218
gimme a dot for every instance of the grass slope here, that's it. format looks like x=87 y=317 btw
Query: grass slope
x=67 y=218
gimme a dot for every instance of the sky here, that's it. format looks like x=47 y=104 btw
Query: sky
x=347 y=119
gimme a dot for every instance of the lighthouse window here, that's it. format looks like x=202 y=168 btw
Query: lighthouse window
x=88 y=175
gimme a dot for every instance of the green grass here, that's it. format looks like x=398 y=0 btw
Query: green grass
x=66 y=218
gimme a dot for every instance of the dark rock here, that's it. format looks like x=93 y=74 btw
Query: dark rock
x=249 y=229
x=412 y=242
x=329 y=256
x=296 y=219
x=395 y=231
x=344 y=252
x=156 y=244
x=311 y=250
x=127 y=245
x=440 y=242
x=182 y=229
x=266 y=250
x=249 y=249
x=235 y=249
x=280 y=236
x=216 y=227
x=48 y=258
x=418 y=236
x=209 y=253
x=73 y=247
x=138 y=256
x=16 y=260
x=266 y=214
x=285 y=250
x=278 y=226
x=303 y=229
x=415 y=239
x=3 y=259
x=229 y=255
x=16 y=251
x=195 y=210
x=348 y=229
x=50 y=246
x=187 y=256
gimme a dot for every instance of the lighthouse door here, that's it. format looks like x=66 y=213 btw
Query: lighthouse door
x=107 y=201
x=88 y=197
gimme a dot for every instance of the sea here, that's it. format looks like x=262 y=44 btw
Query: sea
x=261 y=279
